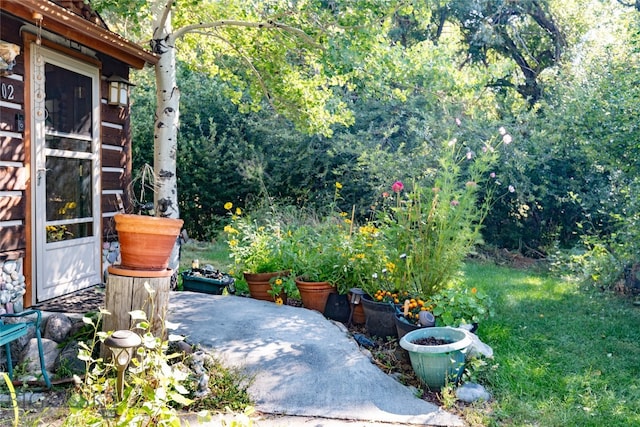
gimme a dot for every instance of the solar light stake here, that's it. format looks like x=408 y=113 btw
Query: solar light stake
x=121 y=343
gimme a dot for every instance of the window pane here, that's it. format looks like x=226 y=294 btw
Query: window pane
x=68 y=188
x=69 y=144
x=68 y=101
x=57 y=233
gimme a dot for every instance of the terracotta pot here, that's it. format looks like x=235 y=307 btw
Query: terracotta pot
x=146 y=242
x=259 y=285
x=358 y=315
x=314 y=294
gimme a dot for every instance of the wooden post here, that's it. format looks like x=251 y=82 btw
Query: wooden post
x=126 y=292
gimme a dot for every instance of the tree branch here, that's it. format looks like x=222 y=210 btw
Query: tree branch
x=260 y=25
x=263 y=86
x=161 y=24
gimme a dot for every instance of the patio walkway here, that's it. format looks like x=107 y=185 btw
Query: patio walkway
x=307 y=370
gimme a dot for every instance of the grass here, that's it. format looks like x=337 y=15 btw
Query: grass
x=216 y=254
x=564 y=356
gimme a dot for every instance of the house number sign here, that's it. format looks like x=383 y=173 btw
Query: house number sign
x=7 y=91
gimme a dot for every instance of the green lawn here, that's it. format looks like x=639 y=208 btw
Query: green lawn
x=563 y=356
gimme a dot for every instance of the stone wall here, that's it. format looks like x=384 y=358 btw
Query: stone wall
x=12 y=286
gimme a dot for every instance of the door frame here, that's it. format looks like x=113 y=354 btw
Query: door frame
x=77 y=62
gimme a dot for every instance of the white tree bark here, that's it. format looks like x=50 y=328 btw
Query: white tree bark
x=167 y=117
x=168 y=98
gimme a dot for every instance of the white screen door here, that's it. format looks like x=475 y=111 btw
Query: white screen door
x=66 y=179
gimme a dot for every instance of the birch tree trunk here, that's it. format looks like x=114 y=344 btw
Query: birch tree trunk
x=167 y=117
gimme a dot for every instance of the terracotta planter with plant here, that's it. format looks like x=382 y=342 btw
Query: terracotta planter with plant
x=262 y=254
x=314 y=295
x=146 y=242
x=261 y=286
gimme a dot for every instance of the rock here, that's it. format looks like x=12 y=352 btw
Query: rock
x=183 y=347
x=363 y=340
x=5 y=296
x=471 y=392
x=9 y=267
x=478 y=348
x=14 y=275
x=57 y=328
x=68 y=358
x=30 y=353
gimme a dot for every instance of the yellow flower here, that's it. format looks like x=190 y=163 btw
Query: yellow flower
x=230 y=230
x=228 y=206
x=238 y=211
x=391 y=267
x=279 y=301
x=338 y=185
x=233 y=243
x=360 y=256
x=474 y=290
x=343 y=214
x=347 y=221
x=278 y=282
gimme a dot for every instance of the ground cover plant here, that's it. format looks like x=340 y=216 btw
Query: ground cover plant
x=564 y=355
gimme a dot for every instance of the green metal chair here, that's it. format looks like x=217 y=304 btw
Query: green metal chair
x=12 y=331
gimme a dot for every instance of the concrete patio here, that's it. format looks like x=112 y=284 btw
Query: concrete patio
x=306 y=369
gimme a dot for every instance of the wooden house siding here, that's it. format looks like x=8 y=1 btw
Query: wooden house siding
x=74 y=27
x=115 y=147
x=13 y=173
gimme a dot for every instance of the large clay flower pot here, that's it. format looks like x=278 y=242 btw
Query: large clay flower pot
x=260 y=285
x=146 y=242
x=314 y=295
x=436 y=365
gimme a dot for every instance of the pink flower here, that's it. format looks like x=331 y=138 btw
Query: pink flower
x=385 y=194
x=455 y=203
x=492 y=175
x=512 y=189
x=397 y=186
x=469 y=155
x=471 y=184
x=458 y=121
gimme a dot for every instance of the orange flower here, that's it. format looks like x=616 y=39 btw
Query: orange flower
x=474 y=290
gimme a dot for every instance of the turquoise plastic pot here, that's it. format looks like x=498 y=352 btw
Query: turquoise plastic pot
x=436 y=365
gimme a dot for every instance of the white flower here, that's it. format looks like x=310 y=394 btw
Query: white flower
x=502 y=130
x=507 y=139
x=512 y=189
